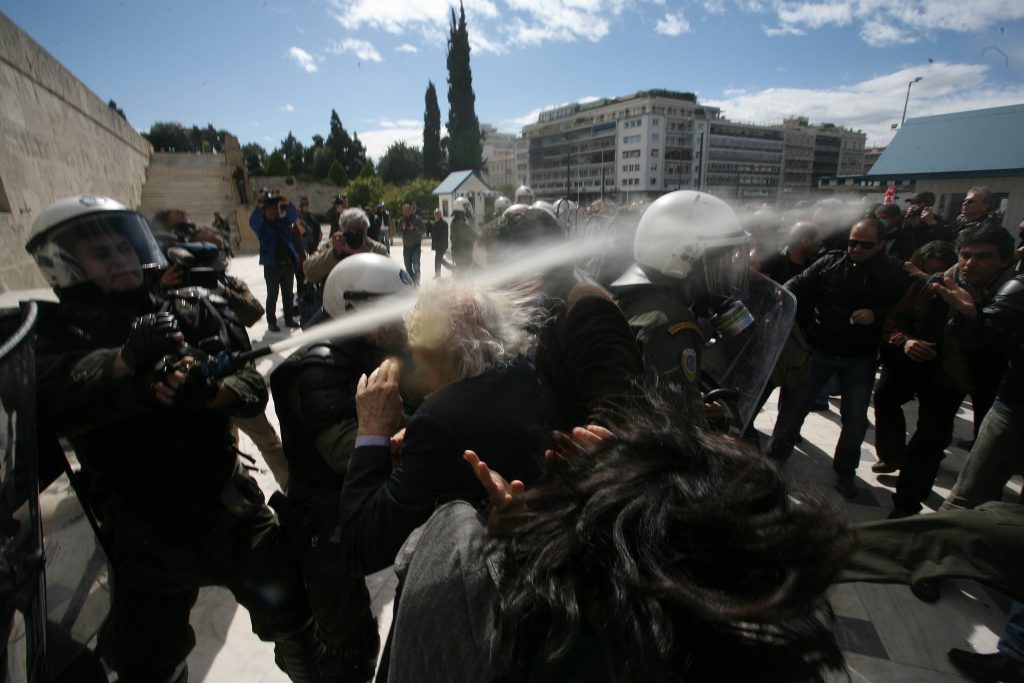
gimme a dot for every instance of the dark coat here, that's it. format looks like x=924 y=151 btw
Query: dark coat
x=439 y=235
x=503 y=415
x=833 y=287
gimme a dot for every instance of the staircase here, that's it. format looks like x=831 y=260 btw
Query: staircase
x=198 y=184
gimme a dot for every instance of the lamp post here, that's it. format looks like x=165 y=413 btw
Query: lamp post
x=907 y=101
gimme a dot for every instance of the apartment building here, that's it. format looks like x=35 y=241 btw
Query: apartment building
x=499 y=156
x=659 y=140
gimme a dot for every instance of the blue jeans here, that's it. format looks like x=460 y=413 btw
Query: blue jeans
x=1011 y=643
x=856 y=376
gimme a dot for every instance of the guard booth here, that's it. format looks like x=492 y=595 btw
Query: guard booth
x=463 y=184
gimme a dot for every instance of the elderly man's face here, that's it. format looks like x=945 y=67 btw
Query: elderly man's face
x=437 y=214
x=865 y=241
x=406 y=210
x=975 y=206
x=110 y=261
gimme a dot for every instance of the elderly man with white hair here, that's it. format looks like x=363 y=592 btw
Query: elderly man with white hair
x=483 y=395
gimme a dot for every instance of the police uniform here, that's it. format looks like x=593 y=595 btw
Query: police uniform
x=176 y=510
x=314 y=394
x=670 y=339
x=463 y=240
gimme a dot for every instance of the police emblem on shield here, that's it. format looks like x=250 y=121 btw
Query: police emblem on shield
x=690 y=364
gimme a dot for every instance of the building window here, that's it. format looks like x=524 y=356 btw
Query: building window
x=655 y=137
x=655 y=152
x=655 y=122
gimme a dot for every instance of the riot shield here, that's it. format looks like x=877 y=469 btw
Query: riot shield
x=741 y=365
x=22 y=580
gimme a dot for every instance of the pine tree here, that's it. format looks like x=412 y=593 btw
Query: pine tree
x=338 y=140
x=432 y=135
x=465 y=148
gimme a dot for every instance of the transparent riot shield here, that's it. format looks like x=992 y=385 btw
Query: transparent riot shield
x=22 y=580
x=741 y=365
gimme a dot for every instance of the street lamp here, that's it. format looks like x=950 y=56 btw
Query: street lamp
x=907 y=101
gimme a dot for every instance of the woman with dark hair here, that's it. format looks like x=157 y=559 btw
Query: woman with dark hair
x=654 y=553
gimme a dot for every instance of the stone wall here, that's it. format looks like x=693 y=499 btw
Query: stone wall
x=56 y=139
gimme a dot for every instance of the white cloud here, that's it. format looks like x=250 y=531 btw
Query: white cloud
x=288 y=108
x=387 y=131
x=673 y=24
x=875 y=104
x=362 y=49
x=303 y=59
x=714 y=6
x=884 y=22
x=406 y=47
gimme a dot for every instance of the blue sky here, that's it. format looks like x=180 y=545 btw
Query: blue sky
x=260 y=69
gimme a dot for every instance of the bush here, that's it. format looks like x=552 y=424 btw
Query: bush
x=365 y=191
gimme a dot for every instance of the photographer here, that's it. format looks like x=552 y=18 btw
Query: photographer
x=412 y=229
x=920 y=226
x=272 y=221
x=351 y=238
x=380 y=226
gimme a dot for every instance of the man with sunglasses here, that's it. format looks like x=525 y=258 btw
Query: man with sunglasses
x=842 y=298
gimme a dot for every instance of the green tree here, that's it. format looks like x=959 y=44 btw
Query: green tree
x=168 y=136
x=322 y=163
x=465 y=148
x=255 y=157
x=356 y=157
x=336 y=173
x=338 y=140
x=367 y=171
x=400 y=163
x=309 y=154
x=293 y=152
x=431 y=135
x=276 y=164
x=365 y=191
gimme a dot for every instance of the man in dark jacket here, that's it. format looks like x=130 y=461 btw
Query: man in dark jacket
x=439 y=241
x=484 y=397
x=942 y=369
x=978 y=208
x=842 y=299
x=920 y=226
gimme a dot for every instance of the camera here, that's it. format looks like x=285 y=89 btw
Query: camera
x=914 y=211
x=199 y=261
x=353 y=238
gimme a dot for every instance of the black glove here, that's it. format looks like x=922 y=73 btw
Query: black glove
x=152 y=336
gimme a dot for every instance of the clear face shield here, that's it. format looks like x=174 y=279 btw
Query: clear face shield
x=111 y=249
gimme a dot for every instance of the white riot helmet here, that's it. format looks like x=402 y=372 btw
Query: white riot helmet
x=697 y=238
x=501 y=204
x=523 y=195
x=546 y=206
x=566 y=211
x=463 y=205
x=360 y=279
x=93 y=239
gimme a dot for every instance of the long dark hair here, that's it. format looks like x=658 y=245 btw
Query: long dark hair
x=682 y=553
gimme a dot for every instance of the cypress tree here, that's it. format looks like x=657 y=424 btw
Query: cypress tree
x=465 y=148
x=431 y=135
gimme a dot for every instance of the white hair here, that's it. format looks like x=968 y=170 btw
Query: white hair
x=353 y=218
x=468 y=330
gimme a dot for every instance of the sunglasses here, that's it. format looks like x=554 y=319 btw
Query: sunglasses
x=866 y=244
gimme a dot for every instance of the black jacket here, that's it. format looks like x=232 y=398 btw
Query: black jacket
x=503 y=415
x=833 y=287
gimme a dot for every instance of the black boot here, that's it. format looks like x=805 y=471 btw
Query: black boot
x=991 y=667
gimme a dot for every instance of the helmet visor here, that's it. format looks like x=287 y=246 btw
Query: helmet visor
x=109 y=249
x=727 y=269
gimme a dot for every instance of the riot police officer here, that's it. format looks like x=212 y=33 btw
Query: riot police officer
x=314 y=393
x=117 y=376
x=691 y=261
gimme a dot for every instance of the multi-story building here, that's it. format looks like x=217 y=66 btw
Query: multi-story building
x=871 y=155
x=644 y=143
x=656 y=141
x=522 y=162
x=744 y=161
x=499 y=155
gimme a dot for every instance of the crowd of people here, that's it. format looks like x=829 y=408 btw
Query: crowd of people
x=562 y=493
